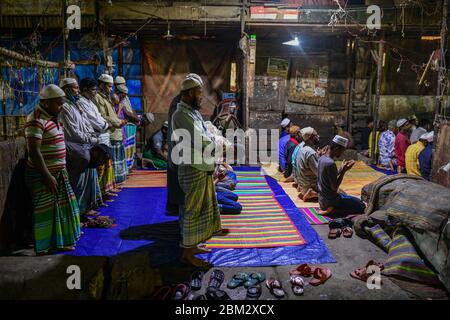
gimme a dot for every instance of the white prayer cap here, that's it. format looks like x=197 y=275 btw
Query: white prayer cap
x=106 y=78
x=68 y=81
x=340 y=141
x=119 y=80
x=191 y=81
x=51 y=91
x=401 y=123
x=166 y=124
x=149 y=117
x=122 y=88
x=424 y=136
x=195 y=76
x=429 y=136
x=307 y=133
x=285 y=122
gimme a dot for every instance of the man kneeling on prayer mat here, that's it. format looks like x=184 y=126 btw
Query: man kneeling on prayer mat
x=199 y=215
x=308 y=160
x=329 y=179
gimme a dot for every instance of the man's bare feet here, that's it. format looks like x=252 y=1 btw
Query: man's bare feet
x=325 y=212
x=201 y=248
x=92 y=213
x=300 y=196
x=188 y=257
x=222 y=233
x=290 y=179
x=310 y=195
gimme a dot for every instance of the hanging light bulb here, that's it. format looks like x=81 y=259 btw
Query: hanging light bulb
x=295 y=42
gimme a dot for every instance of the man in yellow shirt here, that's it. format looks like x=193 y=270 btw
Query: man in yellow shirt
x=412 y=156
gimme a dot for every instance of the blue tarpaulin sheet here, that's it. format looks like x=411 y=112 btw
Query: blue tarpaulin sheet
x=142 y=225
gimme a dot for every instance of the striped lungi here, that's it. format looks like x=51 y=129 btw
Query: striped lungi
x=119 y=161
x=200 y=216
x=56 y=218
x=88 y=191
x=106 y=177
x=130 y=144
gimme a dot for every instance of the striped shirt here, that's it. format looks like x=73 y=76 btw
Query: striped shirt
x=40 y=125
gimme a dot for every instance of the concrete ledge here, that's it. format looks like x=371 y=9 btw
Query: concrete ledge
x=45 y=277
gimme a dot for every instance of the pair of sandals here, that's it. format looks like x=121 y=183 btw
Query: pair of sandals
x=250 y=281
x=340 y=226
x=362 y=274
x=213 y=291
x=319 y=274
x=245 y=279
x=179 y=292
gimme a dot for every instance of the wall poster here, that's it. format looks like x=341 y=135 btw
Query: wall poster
x=309 y=81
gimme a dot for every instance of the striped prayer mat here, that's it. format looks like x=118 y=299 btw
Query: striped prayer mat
x=404 y=262
x=263 y=222
x=146 y=179
x=313 y=217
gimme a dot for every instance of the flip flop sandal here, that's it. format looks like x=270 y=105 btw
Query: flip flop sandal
x=254 y=279
x=321 y=275
x=238 y=280
x=275 y=287
x=254 y=292
x=361 y=273
x=213 y=293
x=196 y=280
x=347 y=232
x=302 y=270
x=297 y=285
x=334 y=233
x=162 y=293
x=216 y=279
x=180 y=292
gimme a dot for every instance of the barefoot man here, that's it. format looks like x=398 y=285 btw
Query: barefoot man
x=329 y=180
x=199 y=216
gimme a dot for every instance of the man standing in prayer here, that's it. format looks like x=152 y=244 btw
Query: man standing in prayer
x=284 y=138
x=308 y=161
x=88 y=87
x=175 y=195
x=56 y=223
x=329 y=179
x=80 y=137
x=104 y=104
x=365 y=133
x=131 y=117
x=401 y=144
x=199 y=216
x=386 y=146
x=426 y=157
x=412 y=156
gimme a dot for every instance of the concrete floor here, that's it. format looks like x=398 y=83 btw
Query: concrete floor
x=349 y=253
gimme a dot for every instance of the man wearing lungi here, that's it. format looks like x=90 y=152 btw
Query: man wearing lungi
x=199 y=215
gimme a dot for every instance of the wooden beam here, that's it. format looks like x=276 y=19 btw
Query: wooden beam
x=376 y=103
x=21 y=57
x=441 y=80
